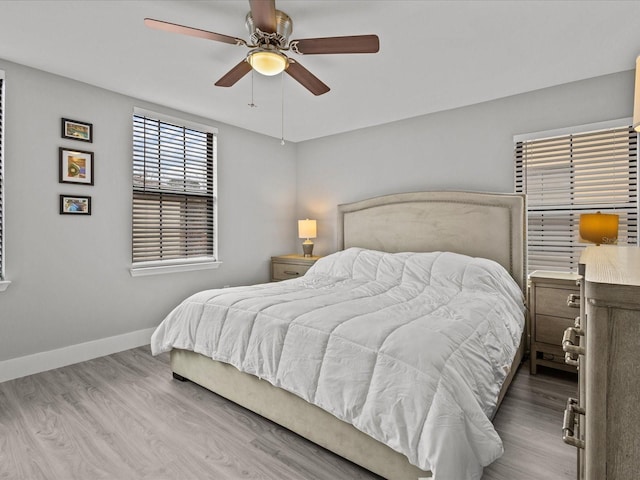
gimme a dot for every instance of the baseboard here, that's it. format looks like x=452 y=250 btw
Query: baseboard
x=61 y=357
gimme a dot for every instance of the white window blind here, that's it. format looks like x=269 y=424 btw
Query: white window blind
x=2 y=256
x=174 y=191
x=567 y=175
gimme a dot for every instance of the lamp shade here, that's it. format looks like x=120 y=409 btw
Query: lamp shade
x=267 y=62
x=599 y=227
x=636 y=99
x=306 y=228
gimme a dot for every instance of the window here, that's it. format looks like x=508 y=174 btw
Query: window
x=565 y=175
x=3 y=283
x=174 y=194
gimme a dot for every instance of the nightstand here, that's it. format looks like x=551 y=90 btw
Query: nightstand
x=284 y=267
x=551 y=314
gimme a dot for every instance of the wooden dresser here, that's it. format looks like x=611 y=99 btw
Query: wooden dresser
x=604 y=421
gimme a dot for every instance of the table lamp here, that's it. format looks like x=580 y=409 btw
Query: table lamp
x=307 y=229
x=599 y=227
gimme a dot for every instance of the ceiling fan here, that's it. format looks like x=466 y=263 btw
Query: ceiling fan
x=269 y=31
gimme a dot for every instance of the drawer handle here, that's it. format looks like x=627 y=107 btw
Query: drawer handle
x=291 y=272
x=569 y=423
x=570 y=360
x=573 y=300
x=569 y=346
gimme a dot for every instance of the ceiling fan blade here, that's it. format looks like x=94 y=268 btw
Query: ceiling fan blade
x=194 y=32
x=235 y=74
x=264 y=14
x=350 y=44
x=307 y=79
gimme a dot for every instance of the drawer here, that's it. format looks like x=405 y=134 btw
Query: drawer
x=553 y=302
x=285 y=271
x=550 y=329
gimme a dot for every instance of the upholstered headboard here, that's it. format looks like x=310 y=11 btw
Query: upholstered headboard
x=489 y=225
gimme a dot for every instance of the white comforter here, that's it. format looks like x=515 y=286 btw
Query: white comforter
x=411 y=349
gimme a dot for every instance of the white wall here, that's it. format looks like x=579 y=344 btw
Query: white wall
x=469 y=148
x=70 y=274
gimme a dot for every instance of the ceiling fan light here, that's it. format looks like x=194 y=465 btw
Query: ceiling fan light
x=267 y=62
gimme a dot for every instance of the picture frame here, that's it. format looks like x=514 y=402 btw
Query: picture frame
x=76 y=130
x=76 y=166
x=75 y=205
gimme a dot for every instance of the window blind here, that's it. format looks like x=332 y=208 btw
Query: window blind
x=1 y=176
x=173 y=191
x=568 y=175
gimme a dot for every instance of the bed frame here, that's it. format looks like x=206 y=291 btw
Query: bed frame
x=477 y=224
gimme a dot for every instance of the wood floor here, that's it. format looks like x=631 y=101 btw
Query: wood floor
x=124 y=417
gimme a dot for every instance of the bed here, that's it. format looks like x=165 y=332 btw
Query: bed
x=453 y=224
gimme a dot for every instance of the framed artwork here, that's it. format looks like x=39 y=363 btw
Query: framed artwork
x=76 y=166
x=75 y=205
x=76 y=130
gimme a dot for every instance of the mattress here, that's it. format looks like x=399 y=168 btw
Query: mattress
x=412 y=349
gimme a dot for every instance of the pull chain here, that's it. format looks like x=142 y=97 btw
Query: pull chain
x=282 y=112
x=252 y=104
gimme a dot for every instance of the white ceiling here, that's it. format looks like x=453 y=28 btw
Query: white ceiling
x=434 y=55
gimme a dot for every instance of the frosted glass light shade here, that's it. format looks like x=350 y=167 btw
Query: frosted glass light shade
x=267 y=62
x=599 y=227
x=307 y=228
